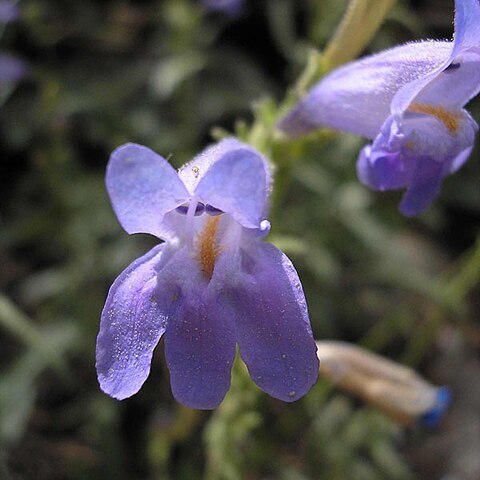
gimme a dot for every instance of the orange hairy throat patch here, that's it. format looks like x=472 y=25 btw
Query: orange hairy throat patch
x=208 y=248
x=449 y=119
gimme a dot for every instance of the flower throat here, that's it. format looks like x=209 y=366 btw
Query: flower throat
x=208 y=248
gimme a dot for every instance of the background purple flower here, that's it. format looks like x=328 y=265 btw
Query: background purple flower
x=212 y=284
x=9 y=11
x=409 y=100
x=232 y=8
x=12 y=69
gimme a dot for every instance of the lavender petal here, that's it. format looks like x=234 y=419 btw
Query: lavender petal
x=272 y=324
x=143 y=187
x=131 y=325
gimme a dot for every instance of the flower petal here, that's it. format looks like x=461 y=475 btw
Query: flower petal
x=467 y=23
x=271 y=318
x=192 y=172
x=387 y=171
x=383 y=165
x=131 y=326
x=143 y=187
x=200 y=339
x=437 y=136
x=237 y=183
x=459 y=160
x=200 y=349
x=424 y=187
x=356 y=98
x=454 y=86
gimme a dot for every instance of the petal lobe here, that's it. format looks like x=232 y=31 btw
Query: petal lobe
x=131 y=325
x=143 y=187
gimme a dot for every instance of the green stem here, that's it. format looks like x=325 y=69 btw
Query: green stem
x=361 y=21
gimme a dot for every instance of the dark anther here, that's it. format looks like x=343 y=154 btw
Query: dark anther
x=452 y=66
x=212 y=210
x=183 y=209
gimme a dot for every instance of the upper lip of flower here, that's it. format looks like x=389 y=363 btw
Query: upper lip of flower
x=242 y=173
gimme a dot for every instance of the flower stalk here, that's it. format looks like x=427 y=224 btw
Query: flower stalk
x=361 y=21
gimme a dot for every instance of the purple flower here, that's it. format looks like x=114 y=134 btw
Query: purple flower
x=12 y=69
x=409 y=100
x=9 y=11
x=212 y=284
x=233 y=8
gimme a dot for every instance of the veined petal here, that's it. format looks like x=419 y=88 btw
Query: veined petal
x=143 y=187
x=200 y=349
x=272 y=324
x=200 y=339
x=131 y=326
x=237 y=184
x=456 y=80
x=356 y=98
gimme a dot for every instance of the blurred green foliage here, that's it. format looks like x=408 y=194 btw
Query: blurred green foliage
x=169 y=75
